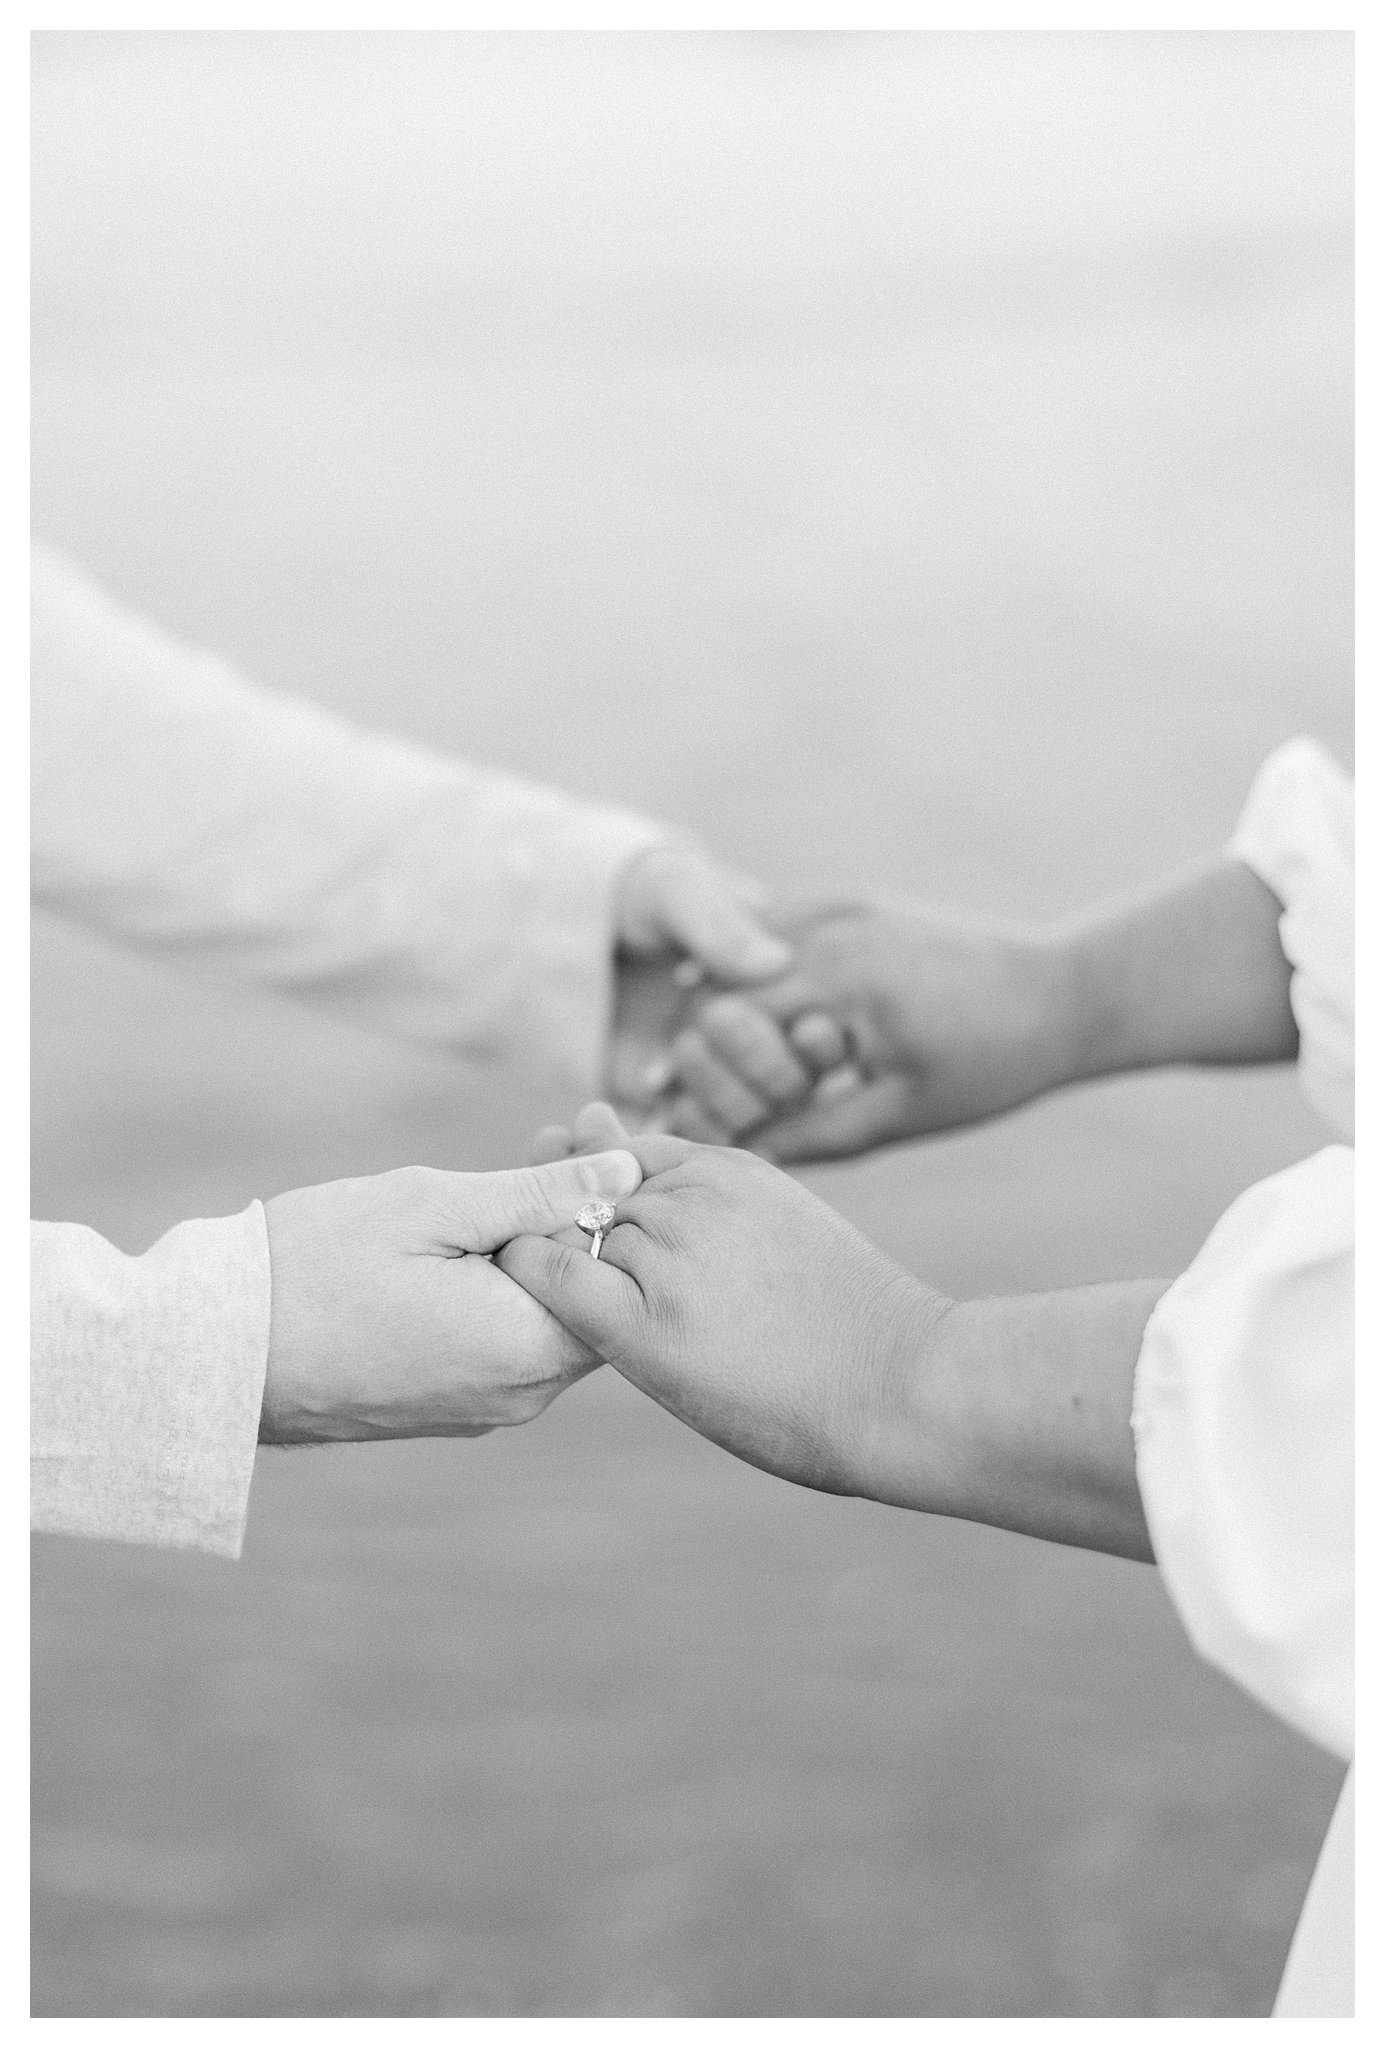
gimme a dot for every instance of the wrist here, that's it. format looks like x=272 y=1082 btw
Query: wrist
x=1015 y=1411
x=1190 y=973
x=1051 y=971
x=899 y=1446
x=1087 y=1024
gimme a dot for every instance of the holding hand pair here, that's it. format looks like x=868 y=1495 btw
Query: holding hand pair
x=896 y=1020
x=425 y=1303
x=893 y=1021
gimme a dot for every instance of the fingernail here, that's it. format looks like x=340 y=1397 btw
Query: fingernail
x=841 y=1081
x=611 y=1174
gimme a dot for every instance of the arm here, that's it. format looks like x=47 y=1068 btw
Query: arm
x=1206 y=1424
x=1016 y=1411
x=1190 y=974
x=238 y=832
x=949 y=1020
x=752 y=1311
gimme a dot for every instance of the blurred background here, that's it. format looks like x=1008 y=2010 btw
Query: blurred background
x=912 y=463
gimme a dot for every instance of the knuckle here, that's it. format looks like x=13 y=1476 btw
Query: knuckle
x=414 y=1184
x=533 y=1185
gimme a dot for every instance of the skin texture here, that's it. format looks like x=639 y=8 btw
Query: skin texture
x=950 y=1020
x=387 y=1317
x=759 y=1317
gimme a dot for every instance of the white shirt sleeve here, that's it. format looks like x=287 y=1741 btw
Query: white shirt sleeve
x=186 y=811
x=1243 y=1411
x=146 y=1381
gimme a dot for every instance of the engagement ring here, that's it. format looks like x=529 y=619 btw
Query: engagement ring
x=596 y=1219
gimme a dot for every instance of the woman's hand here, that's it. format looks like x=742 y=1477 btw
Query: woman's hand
x=743 y=1305
x=949 y=1020
x=944 y=1020
x=753 y=1312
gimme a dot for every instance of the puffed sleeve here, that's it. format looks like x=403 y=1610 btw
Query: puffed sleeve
x=241 y=833
x=1243 y=1409
x=1243 y=1440
x=1298 y=834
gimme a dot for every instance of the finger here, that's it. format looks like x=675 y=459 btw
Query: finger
x=655 y=1077
x=592 y=1298
x=843 y=1080
x=655 y=1150
x=750 y=1044
x=702 y=912
x=719 y=1091
x=598 y=1128
x=819 y=1040
x=796 y=916
x=484 y=1210
x=836 y=1129
x=554 y=1141
x=687 y=1119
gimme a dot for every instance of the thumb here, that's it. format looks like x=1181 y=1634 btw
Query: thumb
x=703 y=912
x=592 y=1299
x=550 y=1142
x=597 y=1128
x=486 y=1209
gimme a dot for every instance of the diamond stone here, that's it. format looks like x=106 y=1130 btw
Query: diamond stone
x=594 y=1216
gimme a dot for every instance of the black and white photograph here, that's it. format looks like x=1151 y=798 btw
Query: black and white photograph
x=692 y=859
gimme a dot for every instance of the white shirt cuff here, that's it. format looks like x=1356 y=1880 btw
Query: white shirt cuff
x=147 y=1379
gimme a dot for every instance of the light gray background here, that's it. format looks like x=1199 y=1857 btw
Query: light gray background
x=918 y=463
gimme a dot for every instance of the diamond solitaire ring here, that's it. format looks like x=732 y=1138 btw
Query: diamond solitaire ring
x=596 y=1219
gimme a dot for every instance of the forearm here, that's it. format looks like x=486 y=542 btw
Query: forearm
x=1192 y=974
x=240 y=833
x=1016 y=1412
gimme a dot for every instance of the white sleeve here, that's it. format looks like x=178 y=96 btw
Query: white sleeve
x=1243 y=1442
x=146 y=1381
x=1243 y=1411
x=238 y=832
x=1297 y=832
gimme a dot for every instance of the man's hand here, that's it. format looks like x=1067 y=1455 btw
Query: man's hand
x=387 y=1320
x=681 y=920
x=943 y=1020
